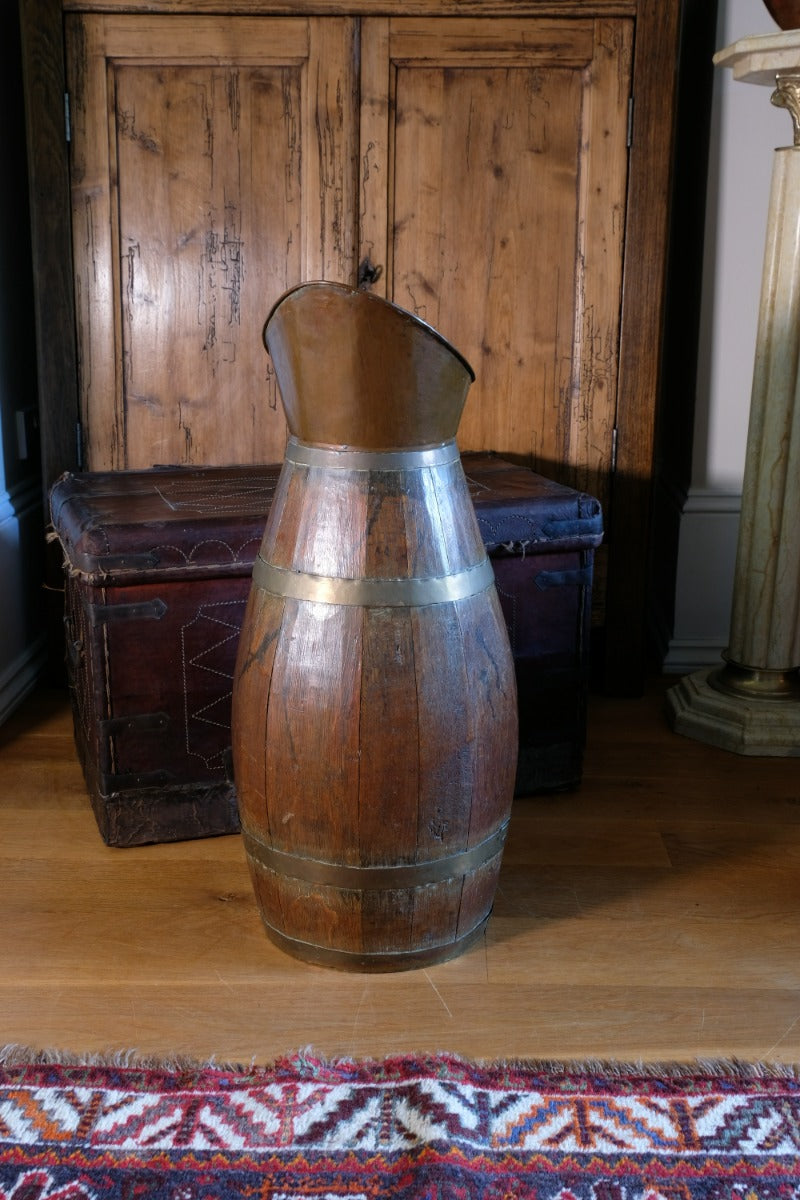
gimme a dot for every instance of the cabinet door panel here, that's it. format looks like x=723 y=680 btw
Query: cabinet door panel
x=504 y=189
x=213 y=167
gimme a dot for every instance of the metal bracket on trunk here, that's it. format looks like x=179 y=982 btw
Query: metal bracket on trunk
x=147 y=610
x=139 y=722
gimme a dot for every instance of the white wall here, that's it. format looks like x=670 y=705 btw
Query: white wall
x=745 y=129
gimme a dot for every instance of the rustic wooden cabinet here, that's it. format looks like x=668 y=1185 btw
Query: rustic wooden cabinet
x=501 y=169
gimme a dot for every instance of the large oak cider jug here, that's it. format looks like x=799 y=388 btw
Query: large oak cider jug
x=374 y=705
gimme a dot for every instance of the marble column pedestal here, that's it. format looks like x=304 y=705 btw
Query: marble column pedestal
x=751 y=703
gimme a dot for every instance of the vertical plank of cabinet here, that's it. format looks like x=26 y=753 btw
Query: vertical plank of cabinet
x=98 y=384
x=643 y=304
x=373 y=166
x=215 y=159
x=602 y=183
x=330 y=163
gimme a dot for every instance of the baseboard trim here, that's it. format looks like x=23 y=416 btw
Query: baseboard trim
x=705 y=571
x=21 y=676
x=22 y=499
x=706 y=500
x=689 y=655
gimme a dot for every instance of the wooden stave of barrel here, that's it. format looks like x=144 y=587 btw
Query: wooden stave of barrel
x=374 y=744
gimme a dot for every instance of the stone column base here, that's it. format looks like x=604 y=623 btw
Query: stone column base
x=745 y=726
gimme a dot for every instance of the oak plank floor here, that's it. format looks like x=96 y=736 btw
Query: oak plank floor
x=653 y=913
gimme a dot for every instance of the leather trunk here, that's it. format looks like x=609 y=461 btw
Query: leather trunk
x=541 y=537
x=157 y=567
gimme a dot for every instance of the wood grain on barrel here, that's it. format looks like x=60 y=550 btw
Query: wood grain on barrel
x=262 y=621
x=374 y=733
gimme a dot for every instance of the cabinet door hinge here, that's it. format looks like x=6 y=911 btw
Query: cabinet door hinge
x=613 y=450
x=630 y=122
x=67 y=119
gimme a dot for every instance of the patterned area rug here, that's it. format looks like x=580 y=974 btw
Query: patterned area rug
x=429 y=1128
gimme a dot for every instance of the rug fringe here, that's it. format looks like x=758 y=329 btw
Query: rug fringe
x=308 y=1063
x=722 y=1068
x=16 y=1055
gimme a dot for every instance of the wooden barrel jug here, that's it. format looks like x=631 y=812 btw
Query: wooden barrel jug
x=374 y=705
